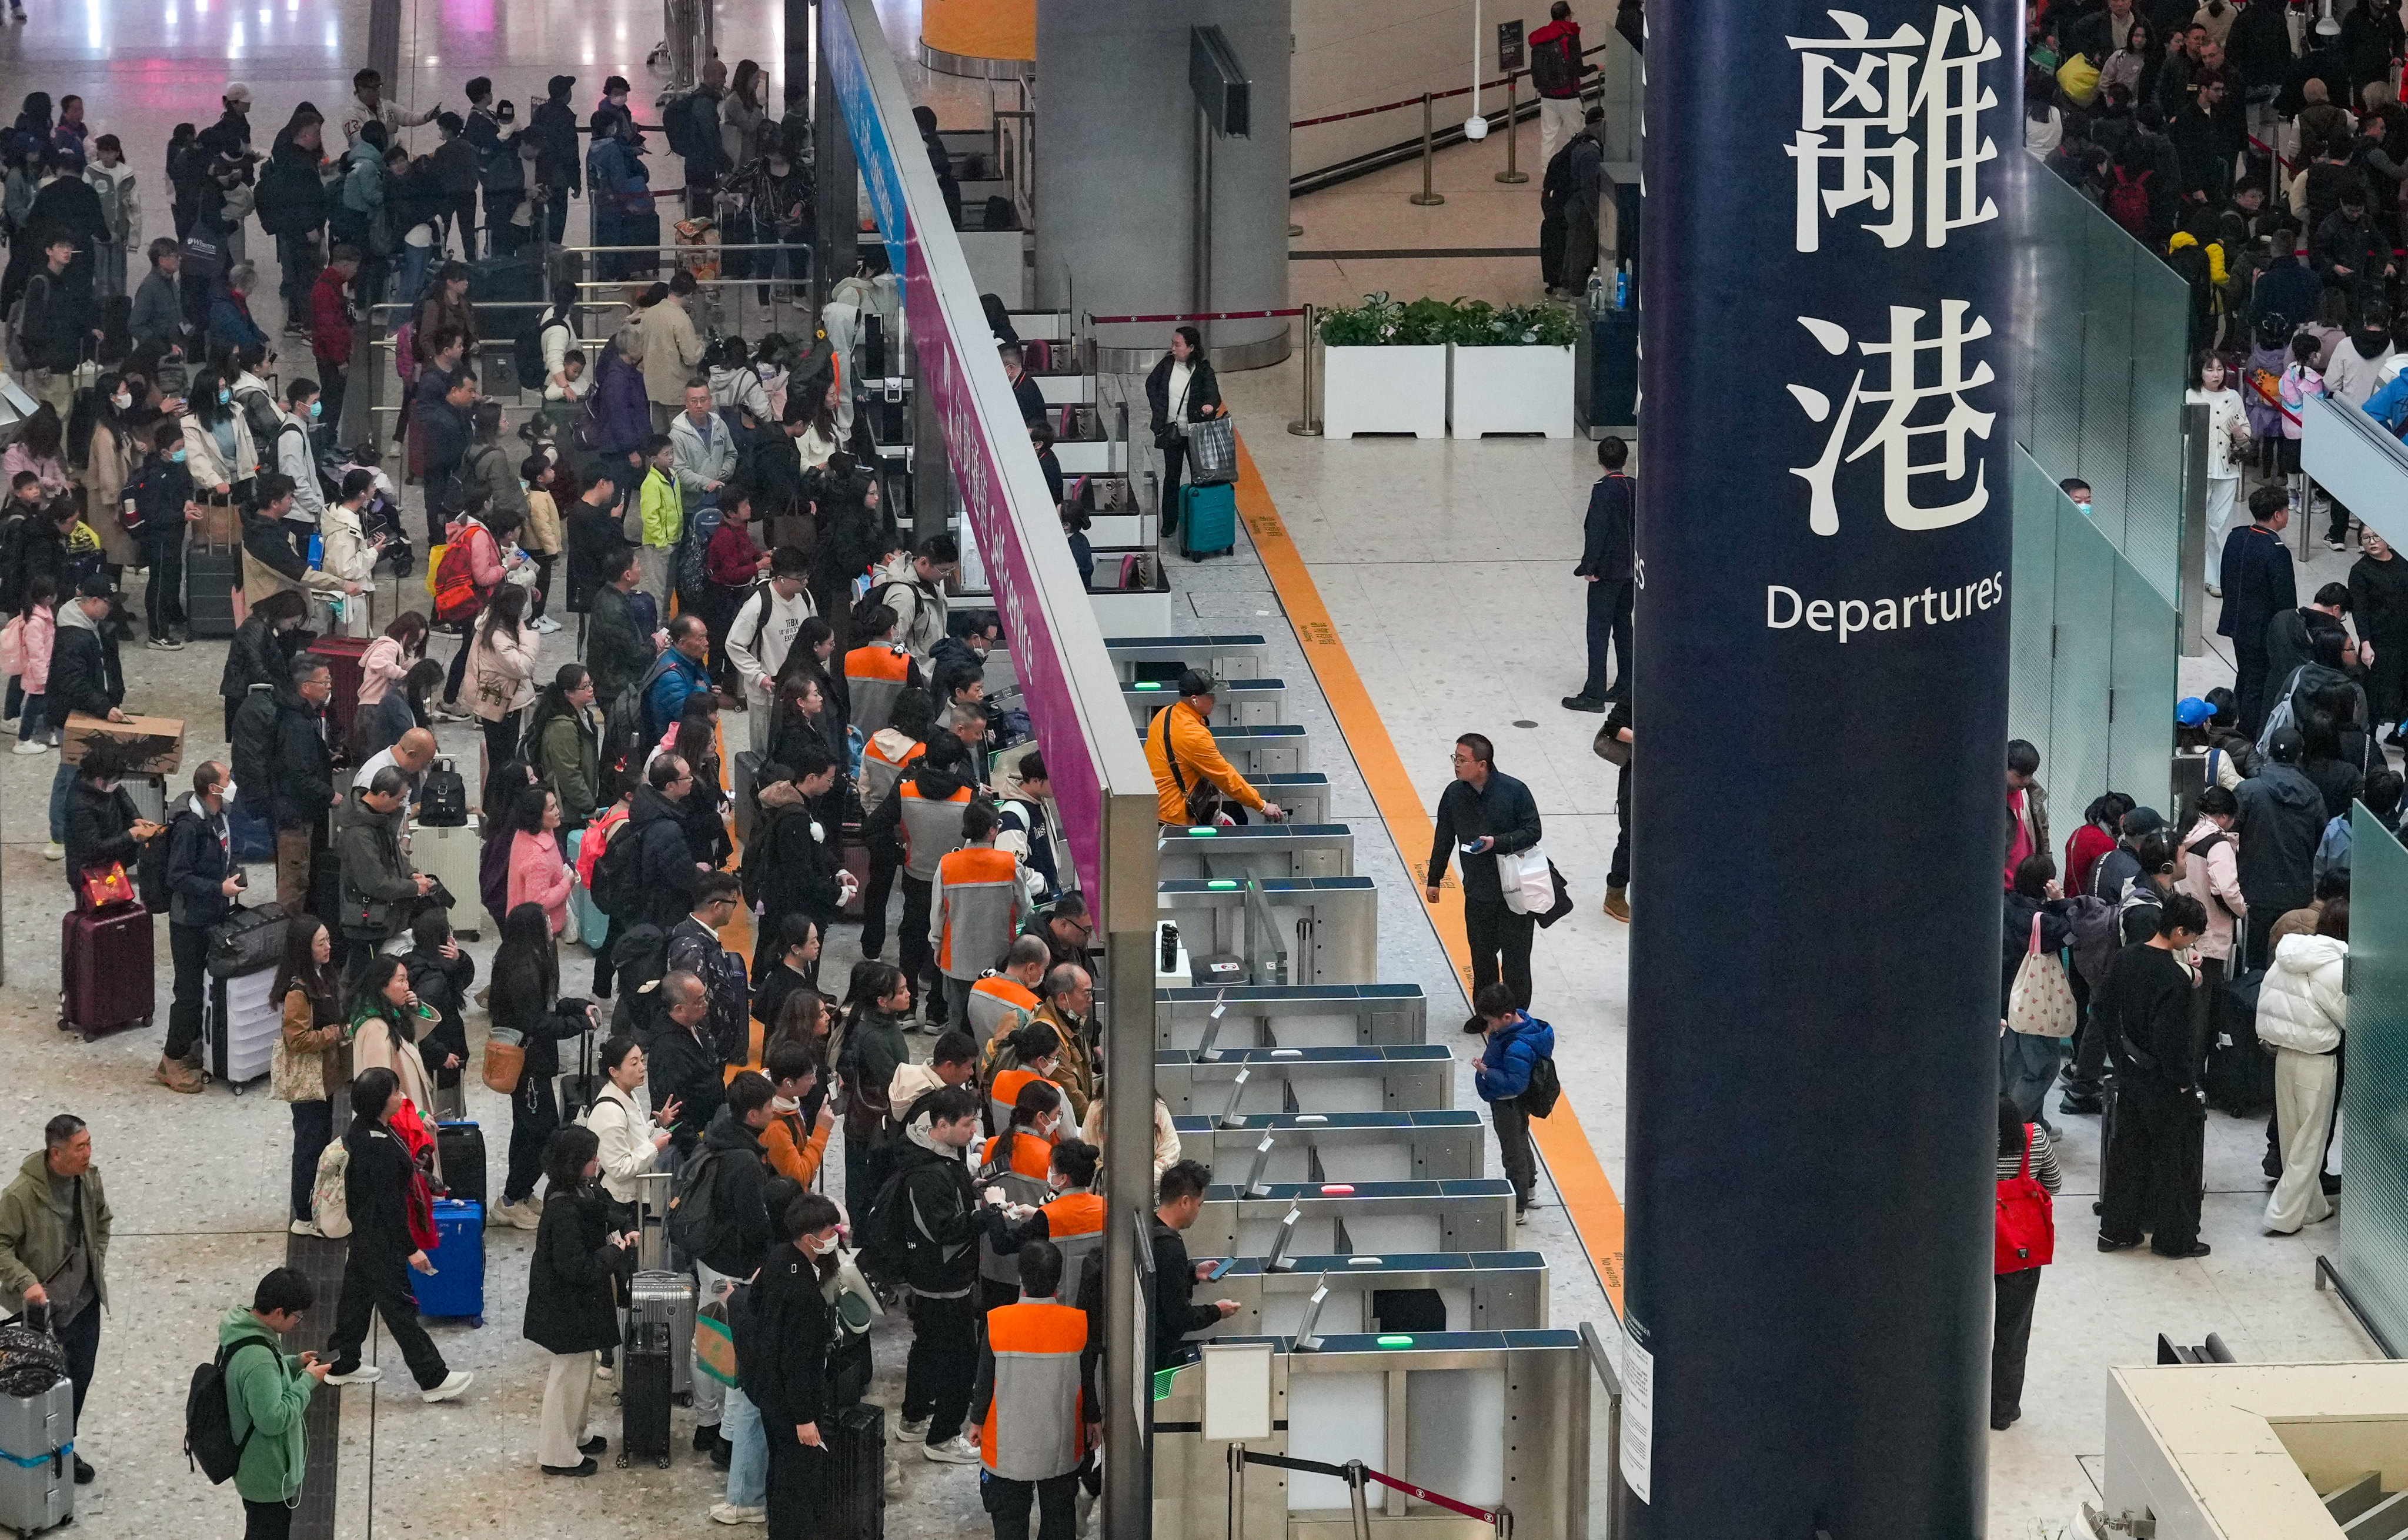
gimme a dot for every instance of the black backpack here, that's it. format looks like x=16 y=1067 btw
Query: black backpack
x=1544 y=1087
x=209 y=1443
x=443 y=801
x=619 y=874
x=883 y=1247
x=687 y=140
x=696 y=1226
x=1554 y=67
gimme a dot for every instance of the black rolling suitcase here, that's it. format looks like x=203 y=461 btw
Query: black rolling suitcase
x=644 y=1385
x=460 y=1146
x=578 y=1091
x=856 y=1445
x=212 y=573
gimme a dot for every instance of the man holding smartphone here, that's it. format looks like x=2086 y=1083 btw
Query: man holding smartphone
x=267 y=1399
x=1484 y=815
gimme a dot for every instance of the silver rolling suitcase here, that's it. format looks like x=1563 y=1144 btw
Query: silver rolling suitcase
x=37 y=1458
x=671 y=1295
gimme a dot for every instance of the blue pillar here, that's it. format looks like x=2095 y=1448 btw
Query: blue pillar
x=1820 y=723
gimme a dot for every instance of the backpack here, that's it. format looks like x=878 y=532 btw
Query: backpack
x=19 y=356
x=625 y=738
x=1555 y=68
x=209 y=1443
x=885 y=1247
x=2127 y=201
x=688 y=140
x=2096 y=936
x=456 y=600
x=619 y=875
x=443 y=798
x=694 y=1224
x=2332 y=850
x=527 y=349
x=1544 y=1087
x=328 y=1201
x=692 y=568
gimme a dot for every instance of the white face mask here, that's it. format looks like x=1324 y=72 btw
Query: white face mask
x=121 y=401
x=226 y=792
x=820 y=1248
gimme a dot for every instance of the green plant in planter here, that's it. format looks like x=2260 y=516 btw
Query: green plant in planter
x=1380 y=320
x=1515 y=326
x=1372 y=323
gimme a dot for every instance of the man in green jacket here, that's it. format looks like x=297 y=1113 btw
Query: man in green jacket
x=54 y=1223
x=268 y=1395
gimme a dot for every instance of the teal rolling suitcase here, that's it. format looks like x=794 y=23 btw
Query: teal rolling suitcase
x=1208 y=520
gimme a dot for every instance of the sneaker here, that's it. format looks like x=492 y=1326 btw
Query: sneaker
x=305 y=1227
x=595 y=1444
x=2213 y=591
x=706 y=1437
x=547 y=625
x=54 y=851
x=366 y=1373
x=604 y=1371
x=912 y=1432
x=894 y=1479
x=2106 y=1245
x=583 y=1467
x=455 y=1382
x=164 y=644
x=728 y=1513
x=2332 y=544
x=2198 y=1249
x=518 y=1216
x=32 y=746
x=956 y=1451
x=1521 y=1217
x=179 y=1076
x=1618 y=904
x=1583 y=703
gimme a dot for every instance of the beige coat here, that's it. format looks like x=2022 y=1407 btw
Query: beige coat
x=344 y=549
x=111 y=464
x=501 y=675
x=672 y=353
x=373 y=1048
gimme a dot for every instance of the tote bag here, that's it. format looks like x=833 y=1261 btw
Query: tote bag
x=2026 y=1226
x=2040 y=1005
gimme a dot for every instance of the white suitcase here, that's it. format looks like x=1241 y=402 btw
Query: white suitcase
x=450 y=854
x=240 y=1021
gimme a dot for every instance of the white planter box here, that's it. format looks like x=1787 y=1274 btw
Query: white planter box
x=1512 y=390
x=1388 y=391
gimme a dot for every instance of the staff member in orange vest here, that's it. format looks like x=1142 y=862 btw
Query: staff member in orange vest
x=878 y=671
x=976 y=907
x=1035 y=1398
x=1017 y=1161
x=1002 y=1002
x=925 y=809
x=1072 y=1218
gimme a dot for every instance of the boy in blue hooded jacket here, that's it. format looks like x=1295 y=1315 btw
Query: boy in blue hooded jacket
x=1514 y=1042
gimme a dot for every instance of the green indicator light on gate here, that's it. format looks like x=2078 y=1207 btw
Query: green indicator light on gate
x=1221 y=882
x=1146 y=684
x=1395 y=1342
x=1203 y=831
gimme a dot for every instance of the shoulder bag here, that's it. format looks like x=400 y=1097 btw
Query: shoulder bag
x=2041 y=1004
x=2026 y=1226
x=1203 y=799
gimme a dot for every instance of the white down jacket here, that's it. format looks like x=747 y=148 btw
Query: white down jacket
x=2300 y=1005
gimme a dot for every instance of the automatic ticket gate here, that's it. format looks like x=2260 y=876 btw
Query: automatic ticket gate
x=1163 y=658
x=1322 y=930
x=1273 y=750
x=1405 y=1291
x=1355 y=1217
x=1492 y=1419
x=1406 y=1078
x=1238 y=703
x=1288 y=849
x=1297 y=1016
x=1303 y=796
x=1339 y=1146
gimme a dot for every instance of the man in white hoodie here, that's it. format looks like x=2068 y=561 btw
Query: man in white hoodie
x=120 y=213
x=913 y=585
x=763 y=631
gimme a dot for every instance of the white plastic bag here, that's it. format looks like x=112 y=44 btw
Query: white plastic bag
x=1527 y=882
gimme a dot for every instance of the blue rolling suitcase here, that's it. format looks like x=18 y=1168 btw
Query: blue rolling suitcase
x=585 y=916
x=1208 y=520
x=457 y=1286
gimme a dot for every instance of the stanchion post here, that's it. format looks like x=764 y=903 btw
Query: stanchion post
x=1306 y=425
x=1356 y=1483
x=1425 y=198
x=1511 y=120
x=1237 y=1526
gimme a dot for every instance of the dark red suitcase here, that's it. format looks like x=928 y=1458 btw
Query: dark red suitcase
x=344 y=654
x=856 y=860
x=105 y=970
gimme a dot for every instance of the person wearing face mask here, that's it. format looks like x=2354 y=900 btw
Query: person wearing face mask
x=2227 y=451
x=296 y=457
x=1017 y=1162
x=582 y=1249
x=115 y=452
x=782 y=1339
x=202 y=884
x=1070 y=1216
x=157 y=505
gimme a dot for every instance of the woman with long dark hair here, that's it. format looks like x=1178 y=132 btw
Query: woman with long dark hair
x=378 y=1191
x=311 y=1064
x=218 y=447
x=538 y=875
x=1181 y=389
x=581 y=1251
x=2025 y=1154
x=526 y=1008
x=111 y=451
x=703 y=813
x=567 y=731
x=387 y=1021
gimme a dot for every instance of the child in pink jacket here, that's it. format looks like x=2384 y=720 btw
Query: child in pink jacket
x=34 y=632
x=538 y=873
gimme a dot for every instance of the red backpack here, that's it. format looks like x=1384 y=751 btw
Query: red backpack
x=2127 y=201
x=2027 y=1234
x=456 y=599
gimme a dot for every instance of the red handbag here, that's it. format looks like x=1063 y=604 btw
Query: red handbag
x=103 y=888
x=2027 y=1234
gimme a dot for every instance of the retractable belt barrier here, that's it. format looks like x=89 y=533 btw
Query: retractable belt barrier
x=1196 y=315
x=1355 y=1474
x=1433 y=97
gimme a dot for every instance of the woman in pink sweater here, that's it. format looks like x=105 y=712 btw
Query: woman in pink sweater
x=537 y=873
x=388 y=658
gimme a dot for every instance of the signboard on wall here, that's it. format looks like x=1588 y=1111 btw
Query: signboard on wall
x=1047 y=621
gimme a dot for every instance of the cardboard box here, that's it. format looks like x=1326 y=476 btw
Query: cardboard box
x=155 y=744
x=220 y=525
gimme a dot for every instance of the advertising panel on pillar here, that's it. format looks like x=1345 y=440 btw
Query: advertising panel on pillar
x=1819 y=726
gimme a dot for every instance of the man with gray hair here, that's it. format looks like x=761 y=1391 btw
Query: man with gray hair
x=1004 y=1001
x=680 y=1066
x=381 y=894
x=1070 y=1009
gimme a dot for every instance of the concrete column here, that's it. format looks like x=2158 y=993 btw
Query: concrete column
x=1117 y=196
x=1822 y=646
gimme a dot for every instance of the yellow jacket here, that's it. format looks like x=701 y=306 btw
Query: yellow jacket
x=1199 y=758
x=664 y=510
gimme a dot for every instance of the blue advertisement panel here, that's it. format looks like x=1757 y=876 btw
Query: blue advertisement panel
x=1819 y=831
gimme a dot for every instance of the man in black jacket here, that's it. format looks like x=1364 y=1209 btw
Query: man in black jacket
x=929 y=1216
x=617 y=652
x=557 y=169
x=682 y=1067
x=85 y=680
x=2150 y=1178
x=2258 y=583
x=1179 y=1200
x=1485 y=814
x=668 y=868
x=790 y=865
x=736 y=1230
x=2280 y=822
x=202 y=883
x=1606 y=564
x=300 y=778
x=693 y=947
x=58 y=321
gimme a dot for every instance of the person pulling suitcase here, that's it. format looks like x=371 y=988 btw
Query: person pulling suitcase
x=54 y=1225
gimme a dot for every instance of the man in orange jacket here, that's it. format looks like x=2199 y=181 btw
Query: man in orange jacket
x=1179 y=748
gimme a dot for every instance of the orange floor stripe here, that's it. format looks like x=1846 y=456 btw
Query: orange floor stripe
x=1590 y=1202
